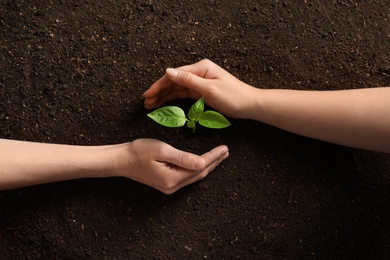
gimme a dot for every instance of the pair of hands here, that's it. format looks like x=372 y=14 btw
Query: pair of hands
x=355 y=118
x=164 y=167
x=148 y=161
x=323 y=115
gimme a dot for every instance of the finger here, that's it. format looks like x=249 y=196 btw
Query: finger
x=211 y=159
x=157 y=87
x=177 y=93
x=169 y=94
x=203 y=69
x=160 y=94
x=214 y=154
x=184 y=178
x=182 y=159
x=210 y=167
x=150 y=102
x=161 y=98
x=164 y=89
x=187 y=79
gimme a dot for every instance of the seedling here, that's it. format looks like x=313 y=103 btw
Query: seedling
x=172 y=116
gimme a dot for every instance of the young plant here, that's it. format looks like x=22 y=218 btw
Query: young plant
x=172 y=116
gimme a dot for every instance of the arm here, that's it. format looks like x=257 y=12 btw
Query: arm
x=357 y=118
x=148 y=161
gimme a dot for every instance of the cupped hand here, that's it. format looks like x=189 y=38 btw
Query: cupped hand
x=161 y=166
x=221 y=90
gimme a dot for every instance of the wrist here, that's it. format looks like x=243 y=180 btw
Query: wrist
x=112 y=159
x=98 y=162
x=253 y=106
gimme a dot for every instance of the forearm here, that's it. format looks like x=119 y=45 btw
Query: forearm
x=29 y=163
x=357 y=118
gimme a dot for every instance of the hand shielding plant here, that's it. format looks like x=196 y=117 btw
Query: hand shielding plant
x=172 y=116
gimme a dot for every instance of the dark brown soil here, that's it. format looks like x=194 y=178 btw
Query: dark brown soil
x=73 y=72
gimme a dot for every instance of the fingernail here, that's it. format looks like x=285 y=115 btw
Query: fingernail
x=172 y=73
x=225 y=154
x=225 y=151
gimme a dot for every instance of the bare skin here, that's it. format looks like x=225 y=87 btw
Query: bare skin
x=356 y=118
x=148 y=161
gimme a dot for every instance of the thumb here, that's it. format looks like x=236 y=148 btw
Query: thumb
x=184 y=159
x=186 y=79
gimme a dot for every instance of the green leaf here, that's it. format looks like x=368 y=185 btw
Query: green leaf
x=196 y=110
x=170 y=116
x=212 y=119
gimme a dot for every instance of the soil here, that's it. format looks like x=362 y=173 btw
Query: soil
x=73 y=72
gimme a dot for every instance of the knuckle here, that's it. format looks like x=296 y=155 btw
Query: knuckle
x=167 y=184
x=187 y=78
x=162 y=150
x=184 y=159
x=168 y=187
x=206 y=61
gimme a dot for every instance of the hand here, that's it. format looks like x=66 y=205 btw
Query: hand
x=221 y=90
x=161 y=166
